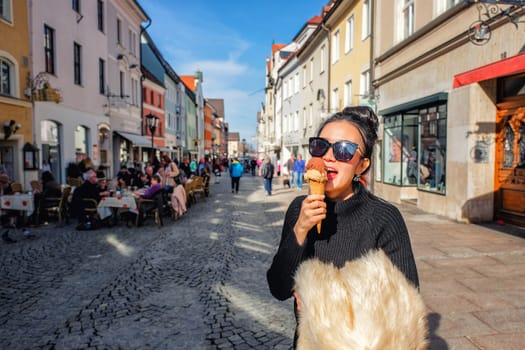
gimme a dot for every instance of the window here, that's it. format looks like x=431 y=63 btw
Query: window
x=311 y=115
x=134 y=92
x=364 y=84
x=297 y=82
x=77 y=63
x=322 y=60
x=305 y=121
x=335 y=99
x=348 y=93
x=49 y=49
x=119 y=31
x=366 y=27
x=100 y=15
x=296 y=121
x=415 y=148
x=335 y=47
x=81 y=140
x=101 y=76
x=76 y=5
x=6 y=76
x=304 y=76
x=407 y=15
x=5 y=10
x=133 y=42
x=311 y=69
x=444 y=5
x=349 y=38
x=121 y=84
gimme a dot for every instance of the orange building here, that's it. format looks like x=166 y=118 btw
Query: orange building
x=15 y=90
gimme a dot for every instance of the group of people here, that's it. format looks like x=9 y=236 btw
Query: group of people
x=266 y=170
x=295 y=169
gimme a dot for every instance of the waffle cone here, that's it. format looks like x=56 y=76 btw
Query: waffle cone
x=317 y=188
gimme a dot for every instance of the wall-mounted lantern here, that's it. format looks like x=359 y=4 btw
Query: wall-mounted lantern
x=31 y=156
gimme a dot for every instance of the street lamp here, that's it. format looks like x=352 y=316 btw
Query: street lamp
x=152 y=125
x=244 y=148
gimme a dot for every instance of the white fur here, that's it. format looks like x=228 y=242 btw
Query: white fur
x=366 y=305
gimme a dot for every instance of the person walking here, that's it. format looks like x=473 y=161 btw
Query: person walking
x=298 y=171
x=267 y=173
x=236 y=170
x=354 y=221
x=289 y=168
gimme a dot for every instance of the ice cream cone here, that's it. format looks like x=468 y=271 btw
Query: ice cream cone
x=317 y=188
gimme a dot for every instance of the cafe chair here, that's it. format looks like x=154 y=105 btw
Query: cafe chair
x=58 y=206
x=35 y=186
x=151 y=207
x=74 y=181
x=17 y=187
x=200 y=187
x=189 y=187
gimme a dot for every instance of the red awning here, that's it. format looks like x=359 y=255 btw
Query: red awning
x=507 y=66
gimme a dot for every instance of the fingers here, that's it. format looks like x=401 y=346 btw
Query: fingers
x=313 y=210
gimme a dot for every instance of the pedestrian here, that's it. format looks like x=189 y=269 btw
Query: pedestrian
x=236 y=170
x=289 y=168
x=253 y=166
x=354 y=221
x=298 y=171
x=267 y=174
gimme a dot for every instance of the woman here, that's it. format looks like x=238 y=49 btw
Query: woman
x=170 y=173
x=354 y=221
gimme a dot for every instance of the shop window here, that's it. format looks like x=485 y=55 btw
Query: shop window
x=400 y=149
x=433 y=142
x=414 y=148
x=81 y=138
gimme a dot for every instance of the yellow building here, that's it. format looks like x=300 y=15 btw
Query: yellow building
x=350 y=34
x=15 y=92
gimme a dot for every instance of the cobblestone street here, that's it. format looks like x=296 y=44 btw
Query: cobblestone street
x=198 y=283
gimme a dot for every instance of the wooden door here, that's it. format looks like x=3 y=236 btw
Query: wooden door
x=510 y=162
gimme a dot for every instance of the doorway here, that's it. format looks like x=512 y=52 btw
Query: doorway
x=510 y=162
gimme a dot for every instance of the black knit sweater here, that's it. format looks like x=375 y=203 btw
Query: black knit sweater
x=351 y=228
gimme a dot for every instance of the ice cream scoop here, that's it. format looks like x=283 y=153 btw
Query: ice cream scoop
x=316 y=176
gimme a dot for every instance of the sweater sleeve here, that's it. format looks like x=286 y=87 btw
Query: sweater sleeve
x=280 y=276
x=394 y=239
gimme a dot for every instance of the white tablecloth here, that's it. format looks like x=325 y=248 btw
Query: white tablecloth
x=121 y=202
x=22 y=202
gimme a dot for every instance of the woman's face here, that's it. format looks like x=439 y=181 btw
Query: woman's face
x=340 y=174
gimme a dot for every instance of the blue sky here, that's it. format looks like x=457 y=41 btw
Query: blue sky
x=228 y=40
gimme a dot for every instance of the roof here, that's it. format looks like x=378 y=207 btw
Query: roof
x=189 y=81
x=218 y=105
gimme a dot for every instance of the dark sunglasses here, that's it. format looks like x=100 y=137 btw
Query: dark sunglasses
x=343 y=150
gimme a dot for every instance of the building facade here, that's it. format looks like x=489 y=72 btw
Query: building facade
x=15 y=90
x=452 y=103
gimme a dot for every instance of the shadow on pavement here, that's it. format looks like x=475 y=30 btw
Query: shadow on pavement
x=504 y=228
x=436 y=342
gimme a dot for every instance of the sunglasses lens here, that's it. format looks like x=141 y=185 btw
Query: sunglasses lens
x=318 y=147
x=344 y=151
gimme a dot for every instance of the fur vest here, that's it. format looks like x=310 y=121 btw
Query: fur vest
x=366 y=305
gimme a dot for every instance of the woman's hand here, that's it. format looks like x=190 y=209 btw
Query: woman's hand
x=313 y=210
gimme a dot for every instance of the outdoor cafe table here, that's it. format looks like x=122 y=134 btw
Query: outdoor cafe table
x=21 y=202
x=118 y=202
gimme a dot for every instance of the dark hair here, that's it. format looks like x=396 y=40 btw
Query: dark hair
x=364 y=119
x=47 y=176
x=157 y=178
